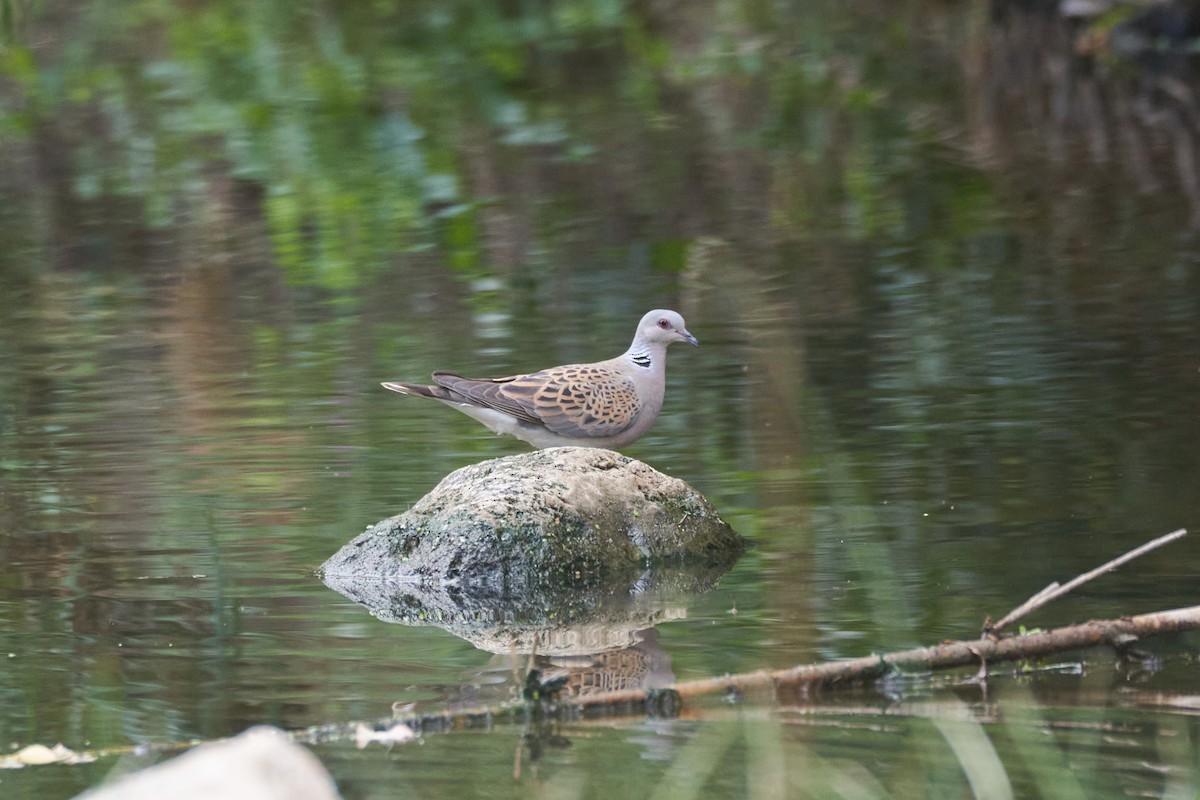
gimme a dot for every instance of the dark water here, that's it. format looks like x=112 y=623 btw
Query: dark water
x=949 y=301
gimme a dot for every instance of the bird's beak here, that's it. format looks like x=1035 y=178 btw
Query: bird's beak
x=687 y=337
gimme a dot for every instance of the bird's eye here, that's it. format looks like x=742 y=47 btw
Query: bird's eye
x=664 y=324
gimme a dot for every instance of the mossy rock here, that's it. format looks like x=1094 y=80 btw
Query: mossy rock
x=554 y=516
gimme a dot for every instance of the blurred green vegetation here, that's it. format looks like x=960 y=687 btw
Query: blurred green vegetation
x=365 y=131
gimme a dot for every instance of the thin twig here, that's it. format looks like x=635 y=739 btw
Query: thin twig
x=1055 y=590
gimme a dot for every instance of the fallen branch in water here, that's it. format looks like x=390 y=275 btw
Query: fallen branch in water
x=1117 y=633
x=802 y=681
x=810 y=679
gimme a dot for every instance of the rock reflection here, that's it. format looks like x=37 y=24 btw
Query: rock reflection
x=600 y=635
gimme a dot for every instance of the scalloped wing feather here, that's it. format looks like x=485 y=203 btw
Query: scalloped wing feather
x=577 y=400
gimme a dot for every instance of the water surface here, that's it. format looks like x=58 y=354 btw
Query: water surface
x=951 y=353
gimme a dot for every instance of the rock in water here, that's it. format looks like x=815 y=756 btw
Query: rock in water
x=563 y=514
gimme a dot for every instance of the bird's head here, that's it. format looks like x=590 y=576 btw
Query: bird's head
x=664 y=326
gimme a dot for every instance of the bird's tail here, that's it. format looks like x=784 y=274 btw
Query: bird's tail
x=418 y=390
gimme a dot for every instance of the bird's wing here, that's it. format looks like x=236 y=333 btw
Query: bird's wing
x=484 y=392
x=581 y=400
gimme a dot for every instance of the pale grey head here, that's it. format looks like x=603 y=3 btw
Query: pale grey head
x=663 y=326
